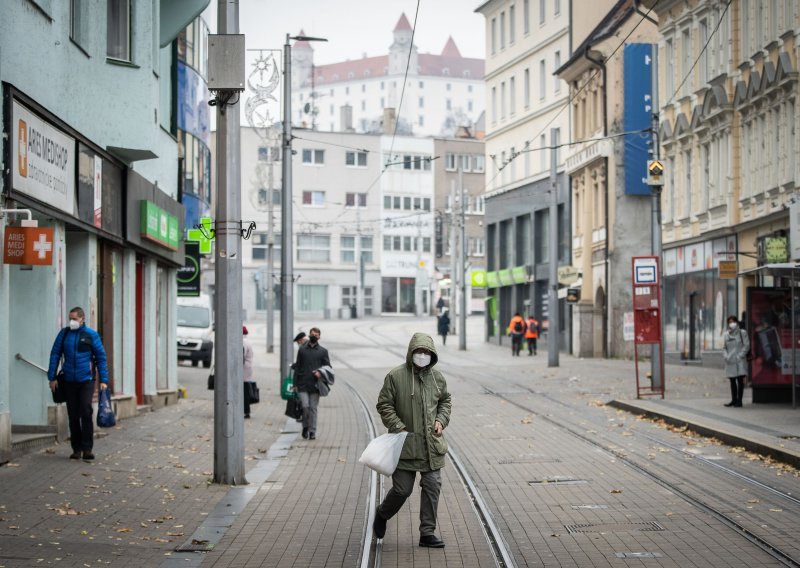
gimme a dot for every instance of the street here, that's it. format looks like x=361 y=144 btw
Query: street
x=566 y=480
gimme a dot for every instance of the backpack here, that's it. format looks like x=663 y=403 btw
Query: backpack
x=518 y=327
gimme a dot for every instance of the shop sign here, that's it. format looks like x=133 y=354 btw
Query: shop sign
x=44 y=167
x=777 y=249
x=627 y=326
x=158 y=226
x=478 y=278
x=728 y=269
x=505 y=277
x=519 y=274
x=567 y=275
x=189 y=273
x=492 y=279
x=28 y=246
x=573 y=295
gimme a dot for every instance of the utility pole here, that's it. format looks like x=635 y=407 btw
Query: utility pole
x=453 y=258
x=270 y=254
x=228 y=417
x=552 y=329
x=462 y=262
x=656 y=354
x=359 y=261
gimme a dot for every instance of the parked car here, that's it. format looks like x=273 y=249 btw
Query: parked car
x=195 y=330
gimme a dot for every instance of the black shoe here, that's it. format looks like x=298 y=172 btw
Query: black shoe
x=305 y=433
x=737 y=405
x=379 y=525
x=75 y=456
x=731 y=403
x=88 y=455
x=430 y=541
x=312 y=436
x=247 y=416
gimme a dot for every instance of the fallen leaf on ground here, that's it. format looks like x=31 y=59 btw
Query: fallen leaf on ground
x=616 y=491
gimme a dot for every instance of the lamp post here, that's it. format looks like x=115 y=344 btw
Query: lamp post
x=287 y=252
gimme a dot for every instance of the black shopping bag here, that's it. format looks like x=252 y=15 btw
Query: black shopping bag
x=251 y=392
x=60 y=394
x=294 y=408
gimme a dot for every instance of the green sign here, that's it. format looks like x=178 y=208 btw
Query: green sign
x=478 y=278
x=777 y=249
x=198 y=236
x=505 y=277
x=519 y=275
x=492 y=281
x=158 y=226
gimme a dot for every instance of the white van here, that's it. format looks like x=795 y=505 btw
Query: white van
x=195 y=330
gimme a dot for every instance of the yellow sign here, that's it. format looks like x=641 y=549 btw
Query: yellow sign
x=728 y=269
x=655 y=168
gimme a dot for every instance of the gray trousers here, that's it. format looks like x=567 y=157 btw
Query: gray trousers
x=310 y=402
x=402 y=485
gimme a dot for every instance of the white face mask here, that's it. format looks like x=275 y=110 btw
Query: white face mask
x=421 y=359
x=74 y=324
x=733 y=325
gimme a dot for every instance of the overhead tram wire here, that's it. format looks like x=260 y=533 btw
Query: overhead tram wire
x=326 y=143
x=573 y=96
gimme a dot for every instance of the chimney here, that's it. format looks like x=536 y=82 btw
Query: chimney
x=388 y=120
x=346 y=118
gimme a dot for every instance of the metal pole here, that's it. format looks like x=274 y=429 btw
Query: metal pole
x=794 y=349
x=453 y=257
x=462 y=264
x=270 y=254
x=287 y=269
x=228 y=415
x=359 y=260
x=656 y=351
x=553 y=327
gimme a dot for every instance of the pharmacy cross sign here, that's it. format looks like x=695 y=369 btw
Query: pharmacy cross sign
x=200 y=235
x=42 y=246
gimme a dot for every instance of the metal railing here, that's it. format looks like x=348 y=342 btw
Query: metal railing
x=20 y=357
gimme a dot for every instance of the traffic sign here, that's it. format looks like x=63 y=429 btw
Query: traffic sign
x=655 y=172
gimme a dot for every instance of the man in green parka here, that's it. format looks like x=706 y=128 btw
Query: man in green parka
x=414 y=399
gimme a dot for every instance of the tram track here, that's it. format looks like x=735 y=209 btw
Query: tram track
x=726 y=519
x=371 y=552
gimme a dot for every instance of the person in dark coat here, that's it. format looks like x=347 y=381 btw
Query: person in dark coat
x=737 y=344
x=444 y=325
x=83 y=354
x=311 y=357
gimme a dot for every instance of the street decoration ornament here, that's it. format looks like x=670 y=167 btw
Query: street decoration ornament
x=262 y=81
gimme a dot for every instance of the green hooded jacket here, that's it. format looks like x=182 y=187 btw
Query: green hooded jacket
x=413 y=399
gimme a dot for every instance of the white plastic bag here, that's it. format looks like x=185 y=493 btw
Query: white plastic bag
x=383 y=453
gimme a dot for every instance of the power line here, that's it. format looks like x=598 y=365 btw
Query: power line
x=326 y=143
x=702 y=51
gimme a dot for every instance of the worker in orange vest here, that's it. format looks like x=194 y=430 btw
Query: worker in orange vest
x=532 y=334
x=516 y=329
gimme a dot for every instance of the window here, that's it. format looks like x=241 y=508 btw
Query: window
x=263 y=197
x=448 y=87
x=312 y=297
x=450 y=162
x=469 y=106
x=686 y=60
x=556 y=65
x=503 y=100
x=421 y=120
x=314 y=198
x=387 y=242
x=704 y=56
x=512 y=24
x=494 y=36
x=396 y=202
x=347 y=249
x=352 y=198
x=669 y=74
x=396 y=242
x=417 y=203
x=512 y=93
x=260 y=246
x=118 y=30
x=358 y=159
x=316 y=157
x=543 y=152
x=526 y=88
x=422 y=102
x=494 y=104
x=449 y=104
x=416 y=163
x=542 y=80
x=407 y=244
x=426 y=244
x=387 y=201
x=466 y=165
x=556 y=7
x=363 y=105
x=366 y=250
x=687 y=187
x=479 y=204
x=502 y=30
x=542 y=10
x=421 y=84
x=526 y=16
x=78 y=22
x=426 y=203
x=314 y=248
x=407 y=203
x=478 y=163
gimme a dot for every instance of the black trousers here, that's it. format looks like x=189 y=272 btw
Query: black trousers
x=79 y=411
x=531 y=345
x=516 y=343
x=737 y=389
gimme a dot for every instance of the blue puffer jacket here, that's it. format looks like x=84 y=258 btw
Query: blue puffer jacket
x=79 y=348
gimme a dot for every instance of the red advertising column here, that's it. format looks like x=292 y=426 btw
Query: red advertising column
x=646 y=281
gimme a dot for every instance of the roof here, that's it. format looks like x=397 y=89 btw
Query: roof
x=450 y=48
x=402 y=24
x=302 y=43
x=606 y=28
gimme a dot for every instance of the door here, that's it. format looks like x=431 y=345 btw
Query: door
x=139 y=330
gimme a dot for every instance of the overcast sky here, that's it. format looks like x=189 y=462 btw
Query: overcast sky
x=355 y=27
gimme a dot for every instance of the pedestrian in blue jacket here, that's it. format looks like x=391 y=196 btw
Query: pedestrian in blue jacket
x=83 y=354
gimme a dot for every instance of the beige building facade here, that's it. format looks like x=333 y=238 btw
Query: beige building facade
x=728 y=92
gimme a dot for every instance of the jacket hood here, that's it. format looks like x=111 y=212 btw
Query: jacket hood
x=424 y=340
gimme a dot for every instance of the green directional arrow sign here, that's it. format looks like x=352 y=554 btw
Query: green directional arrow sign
x=198 y=236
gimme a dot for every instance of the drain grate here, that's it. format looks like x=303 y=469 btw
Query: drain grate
x=637 y=555
x=557 y=480
x=613 y=527
x=578 y=507
x=195 y=545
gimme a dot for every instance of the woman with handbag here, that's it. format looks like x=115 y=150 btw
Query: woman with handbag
x=737 y=345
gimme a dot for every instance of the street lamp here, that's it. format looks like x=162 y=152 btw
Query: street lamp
x=287 y=269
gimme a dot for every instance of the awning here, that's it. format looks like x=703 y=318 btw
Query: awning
x=130 y=155
x=779 y=267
